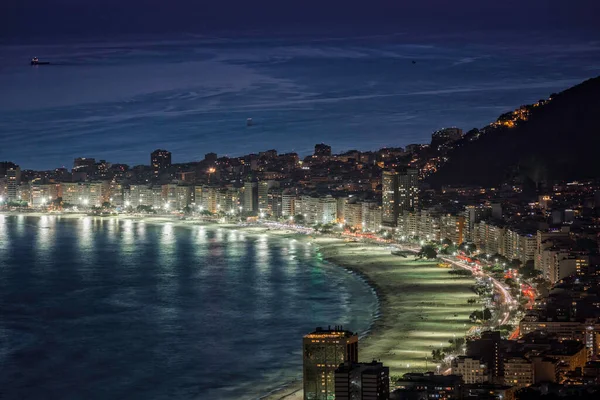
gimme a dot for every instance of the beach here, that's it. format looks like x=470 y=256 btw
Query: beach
x=421 y=306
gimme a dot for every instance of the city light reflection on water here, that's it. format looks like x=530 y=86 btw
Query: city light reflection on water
x=158 y=303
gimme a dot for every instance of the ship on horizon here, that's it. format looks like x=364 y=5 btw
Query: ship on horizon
x=36 y=61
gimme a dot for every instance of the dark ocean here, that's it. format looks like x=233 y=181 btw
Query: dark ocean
x=119 y=99
x=105 y=309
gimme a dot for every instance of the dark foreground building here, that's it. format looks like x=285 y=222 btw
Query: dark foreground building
x=362 y=381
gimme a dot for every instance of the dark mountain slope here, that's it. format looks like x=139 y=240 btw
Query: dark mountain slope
x=556 y=139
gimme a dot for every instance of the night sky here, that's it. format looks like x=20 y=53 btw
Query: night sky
x=20 y=18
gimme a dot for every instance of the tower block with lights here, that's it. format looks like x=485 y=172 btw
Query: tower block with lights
x=324 y=351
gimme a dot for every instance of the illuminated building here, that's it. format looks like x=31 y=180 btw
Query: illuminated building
x=288 y=204
x=209 y=199
x=263 y=195
x=452 y=227
x=85 y=194
x=353 y=215
x=176 y=196
x=371 y=214
x=317 y=210
x=43 y=194
x=518 y=371
x=13 y=176
x=324 y=351
x=117 y=198
x=275 y=203
x=160 y=160
x=250 y=197
x=474 y=214
x=546 y=240
x=362 y=381
x=389 y=190
x=400 y=192
x=408 y=189
x=471 y=369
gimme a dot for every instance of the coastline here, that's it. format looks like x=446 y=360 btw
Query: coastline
x=420 y=306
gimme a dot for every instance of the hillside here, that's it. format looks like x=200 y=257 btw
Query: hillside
x=555 y=139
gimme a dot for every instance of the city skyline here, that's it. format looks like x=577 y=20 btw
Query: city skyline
x=339 y=200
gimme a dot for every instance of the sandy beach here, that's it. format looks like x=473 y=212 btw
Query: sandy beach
x=421 y=306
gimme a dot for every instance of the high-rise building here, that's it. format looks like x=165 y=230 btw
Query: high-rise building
x=160 y=160
x=317 y=210
x=209 y=199
x=472 y=369
x=474 y=214
x=288 y=204
x=324 y=351
x=13 y=176
x=263 y=197
x=117 y=198
x=353 y=215
x=400 y=192
x=518 y=371
x=452 y=228
x=389 y=190
x=322 y=150
x=43 y=194
x=275 y=203
x=176 y=197
x=371 y=214
x=250 y=197
x=408 y=189
x=362 y=381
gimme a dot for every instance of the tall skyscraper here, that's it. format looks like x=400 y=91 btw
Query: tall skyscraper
x=408 y=189
x=324 y=351
x=13 y=176
x=263 y=197
x=389 y=193
x=400 y=192
x=362 y=381
x=322 y=150
x=250 y=197
x=160 y=160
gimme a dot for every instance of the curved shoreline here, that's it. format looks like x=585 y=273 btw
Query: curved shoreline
x=400 y=336
x=418 y=304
